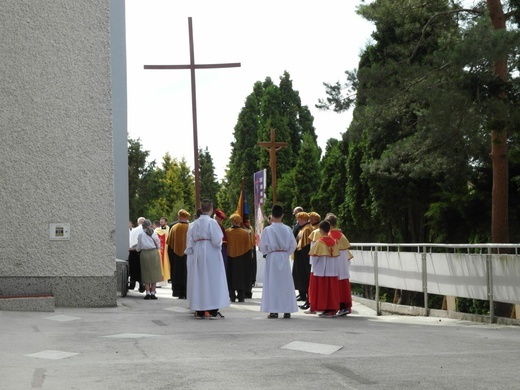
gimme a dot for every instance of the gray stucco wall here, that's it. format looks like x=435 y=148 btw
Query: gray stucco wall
x=56 y=151
x=120 y=127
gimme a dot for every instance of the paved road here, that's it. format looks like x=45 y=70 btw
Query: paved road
x=160 y=345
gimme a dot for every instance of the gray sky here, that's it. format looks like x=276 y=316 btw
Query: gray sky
x=314 y=41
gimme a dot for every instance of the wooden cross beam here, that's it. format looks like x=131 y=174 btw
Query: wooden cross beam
x=192 y=66
x=273 y=146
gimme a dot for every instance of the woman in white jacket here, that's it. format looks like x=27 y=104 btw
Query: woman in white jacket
x=148 y=244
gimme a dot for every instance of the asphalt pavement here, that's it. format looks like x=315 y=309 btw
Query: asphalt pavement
x=158 y=344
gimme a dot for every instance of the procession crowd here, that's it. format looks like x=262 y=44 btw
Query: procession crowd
x=212 y=266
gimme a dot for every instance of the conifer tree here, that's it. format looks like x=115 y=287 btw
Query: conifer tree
x=426 y=98
x=141 y=178
x=268 y=107
x=209 y=186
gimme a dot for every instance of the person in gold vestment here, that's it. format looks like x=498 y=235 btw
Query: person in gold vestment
x=238 y=254
x=162 y=231
x=176 y=241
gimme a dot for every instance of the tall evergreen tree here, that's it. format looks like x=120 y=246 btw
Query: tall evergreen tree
x=268 y=107
x=307 y=172
x=244 y=149
x=209 y=186
x=424 y=98
x=332 y=183
x=142 y=186
x=187 y=184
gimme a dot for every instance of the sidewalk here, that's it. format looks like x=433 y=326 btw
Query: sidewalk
x=160 y=345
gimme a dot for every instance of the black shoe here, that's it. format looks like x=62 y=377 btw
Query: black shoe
x=241 y=300
x=298 y=297
x=305 y=306
x=301 y=298
x=141 y=289
x=147 y=296
x=249 y=295
x=272 y=315
x=153 y=296
x=287 y=315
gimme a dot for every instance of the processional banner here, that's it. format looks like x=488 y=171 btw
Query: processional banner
x=259 y=186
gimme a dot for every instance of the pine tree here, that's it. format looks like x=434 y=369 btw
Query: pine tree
x=425 y=101
x=141 y=179
x=268 y=107
x=209 y=186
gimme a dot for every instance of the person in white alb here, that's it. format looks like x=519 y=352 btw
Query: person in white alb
x=207 y=288
x=277 y=243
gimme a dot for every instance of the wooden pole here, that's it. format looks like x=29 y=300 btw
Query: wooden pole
x=272 y=146
x=192 y=66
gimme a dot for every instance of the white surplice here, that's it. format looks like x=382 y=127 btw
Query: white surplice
x=207 y=285
x=278 y=243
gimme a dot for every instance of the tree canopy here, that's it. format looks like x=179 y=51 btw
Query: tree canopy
x=431 y=153
x=428 y=104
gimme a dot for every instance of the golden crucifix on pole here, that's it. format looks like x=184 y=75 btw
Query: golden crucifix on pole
x=273 y=147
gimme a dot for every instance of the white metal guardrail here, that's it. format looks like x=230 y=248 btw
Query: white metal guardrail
x=478 y=271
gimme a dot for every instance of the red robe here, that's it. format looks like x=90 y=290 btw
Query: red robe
x=324 y=290
x=345 y=291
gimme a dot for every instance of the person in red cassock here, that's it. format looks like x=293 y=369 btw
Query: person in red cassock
x=324 y=256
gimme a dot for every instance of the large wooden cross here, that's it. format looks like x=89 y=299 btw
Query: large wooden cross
x=273 y=147
x=192 y=66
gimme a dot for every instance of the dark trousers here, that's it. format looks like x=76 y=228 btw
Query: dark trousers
x=134 y=265
x=237 y=294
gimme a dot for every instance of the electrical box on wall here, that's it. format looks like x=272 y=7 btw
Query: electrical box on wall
x=60 y=231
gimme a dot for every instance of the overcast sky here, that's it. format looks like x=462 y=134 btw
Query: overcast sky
x=314 y=41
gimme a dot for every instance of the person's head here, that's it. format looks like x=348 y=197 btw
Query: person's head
x=247 y=223
x=302 y=218
x=198 y=213
x=314 y=218
x=140 y=220
x=183 y=215
x=163 y=221
x=324 y=227
x=235 y=219
x=297 y=210
x=219 y=215
x=147 y=226
x=333 y=220
x=156 y=224
x=277 y=212
x=206 y=207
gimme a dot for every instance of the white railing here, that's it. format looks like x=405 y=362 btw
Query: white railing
x=477 y=271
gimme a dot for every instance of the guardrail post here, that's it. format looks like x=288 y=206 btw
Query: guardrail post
x=489 y=268
x=376 y=282
x=425 y=282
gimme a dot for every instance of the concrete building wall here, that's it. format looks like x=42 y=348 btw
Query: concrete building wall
x=119 y=109
x=56 y=151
